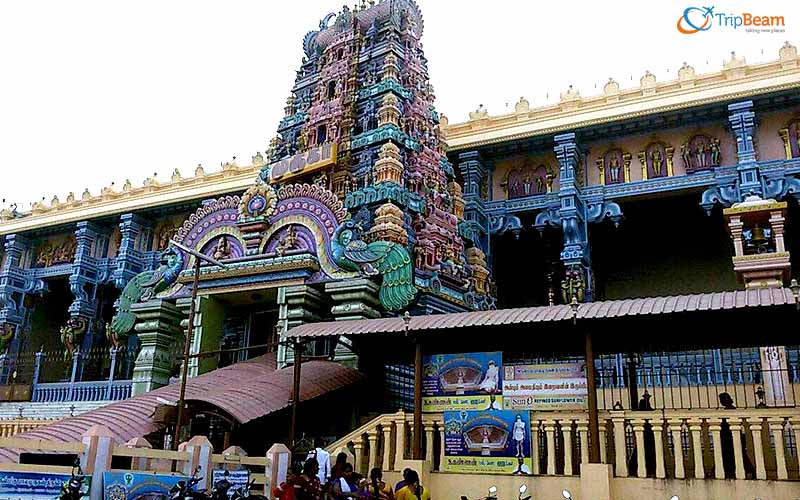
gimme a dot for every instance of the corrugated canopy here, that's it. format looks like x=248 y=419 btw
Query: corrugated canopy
x=245 y=390
x=649 y=306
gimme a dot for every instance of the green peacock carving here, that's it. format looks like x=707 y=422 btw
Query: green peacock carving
x=389 y=259
x=141 y=288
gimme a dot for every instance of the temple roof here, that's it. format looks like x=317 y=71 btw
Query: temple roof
x=736 y=80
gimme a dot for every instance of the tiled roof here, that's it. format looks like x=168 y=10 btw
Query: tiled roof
x=593 y=310
x=246 y=390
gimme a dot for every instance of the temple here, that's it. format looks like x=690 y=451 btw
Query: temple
x=662 y=219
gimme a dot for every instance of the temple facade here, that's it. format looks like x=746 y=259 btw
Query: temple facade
x=627 y=212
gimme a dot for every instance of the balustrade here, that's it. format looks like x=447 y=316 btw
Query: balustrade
x=756 y=443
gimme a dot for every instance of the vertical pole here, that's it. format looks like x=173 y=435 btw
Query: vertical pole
x=633 y=383
x=186 y=346
x=417 y=436
x=298 y=361
x=594 y=425
x=3 y=357
x=111 y=373
x=36 y=368
x=76 y=356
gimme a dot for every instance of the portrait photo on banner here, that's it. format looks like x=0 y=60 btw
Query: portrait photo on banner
x=472 y=381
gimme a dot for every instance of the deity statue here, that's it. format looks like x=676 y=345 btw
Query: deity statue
x=685 y=155
x=700 y=156
x=287 y=242
x=539 y=184
x=657 y=161
x=223 y=250
x=613 y=169
x=527 y=185
x=715 y=153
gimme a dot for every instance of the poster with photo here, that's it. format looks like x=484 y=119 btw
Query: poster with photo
x=471 y=381
x=487 y=442
x=558 y=386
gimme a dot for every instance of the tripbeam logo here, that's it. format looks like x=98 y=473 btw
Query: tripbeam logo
x=698 y=19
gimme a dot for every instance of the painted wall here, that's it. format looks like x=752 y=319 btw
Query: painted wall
x=633 y=144
x=212 y=312
x=504 y=165
x=768 y=140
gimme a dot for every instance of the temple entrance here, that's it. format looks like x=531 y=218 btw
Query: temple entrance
x=234 y=322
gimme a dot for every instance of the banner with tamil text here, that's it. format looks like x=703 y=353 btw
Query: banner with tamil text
x=35 y=485
x=560 y=386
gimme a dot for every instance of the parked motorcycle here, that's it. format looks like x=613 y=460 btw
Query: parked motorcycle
x=243 y=493
x=72 y=489
x=221 y=488
x=184 y=490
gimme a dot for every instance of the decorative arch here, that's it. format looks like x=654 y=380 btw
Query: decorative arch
x=528 y=180
x=211 y=221
x=790 y=134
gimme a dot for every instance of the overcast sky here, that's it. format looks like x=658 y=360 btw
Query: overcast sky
x=98 y=91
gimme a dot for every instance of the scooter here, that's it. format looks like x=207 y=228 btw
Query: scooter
x=243 y=493
x=71 y=490
x=184 y=490
x=221 y=488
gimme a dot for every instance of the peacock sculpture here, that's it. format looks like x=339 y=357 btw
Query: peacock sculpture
x=142 y=287
x=390 y=260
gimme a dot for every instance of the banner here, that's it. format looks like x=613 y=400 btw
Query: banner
x=462 y=381
x=237 y=478
x=35 y=485
x=122 y=485
x=487 y=442
x=559 y=386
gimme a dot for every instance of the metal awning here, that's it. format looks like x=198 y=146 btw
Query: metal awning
x=649 y=306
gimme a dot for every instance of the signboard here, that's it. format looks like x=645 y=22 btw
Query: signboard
x=35 y=485
x=303 y=163
x=237 y=478
x=559 y=386
x=487 y=442
x=122 y=485
x=462 y=381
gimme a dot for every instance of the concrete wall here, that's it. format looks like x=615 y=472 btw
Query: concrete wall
x=768 y=140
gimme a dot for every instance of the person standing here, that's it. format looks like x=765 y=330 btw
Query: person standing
x=323 y=460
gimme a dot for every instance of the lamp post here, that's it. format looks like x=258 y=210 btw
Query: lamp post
x=198 y=257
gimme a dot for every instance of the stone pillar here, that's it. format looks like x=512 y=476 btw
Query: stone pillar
x=677 y=442
x=372 y=440
x=11 y=311
x=400 y=439
x=297 y=304
x=550 y=432
x=475 y=172
x=583 y=434
x=715 y=429
x=129 y=261
x=386 y=428
x=355 y=298
x=695 y=427
x=758 y=449
x=279 y=457
x=96 y=459
x=620 y=450
x=199 y=449
x=429 y=440
x=157 y=325
x=742 y=120
x=566 y=429
x=736 y=434
x=776 y=428
x=638 y=432
x=84 y=278
x=658 y=428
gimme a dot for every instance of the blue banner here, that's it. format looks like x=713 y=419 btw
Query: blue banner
x=34 y=485
x=462 y=382
x=487 y=442
x=121 y=485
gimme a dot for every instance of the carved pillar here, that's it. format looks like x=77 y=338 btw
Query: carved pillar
x=158 y=326
x=83 y=279
x=736 y=434
x=620 y=451
x=576 y=254
x=695 y=427
x=12 y=293
x=386 y=428
x=372 y=440
x=475 y=173
x=658 y=436
x=742 y=120
x=583 y=435
x=428 y=424
x=129 y=259
x=550 y=432
x=638 y=432
x=566 y=430
x=758 y=449
x=297 y=304
x=776 y=428
x=715 y=429
x=677 y=443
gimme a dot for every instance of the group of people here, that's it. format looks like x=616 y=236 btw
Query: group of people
x=317 y=479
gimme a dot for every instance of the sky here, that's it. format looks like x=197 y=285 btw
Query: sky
x=95 y=92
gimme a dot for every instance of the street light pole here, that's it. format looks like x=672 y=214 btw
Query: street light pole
x=591 y=388
x=187 y=344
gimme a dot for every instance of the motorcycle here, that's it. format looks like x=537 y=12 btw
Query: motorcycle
x=243 y=493
x=221 y=488
x=184 y=490
x=72 y=489
x=491 y=496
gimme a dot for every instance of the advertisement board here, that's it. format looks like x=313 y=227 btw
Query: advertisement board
x=560 y=386
x=124 y=485
x=462 y=381
x=35 y=485
x=487 y=442
x=237 y=478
